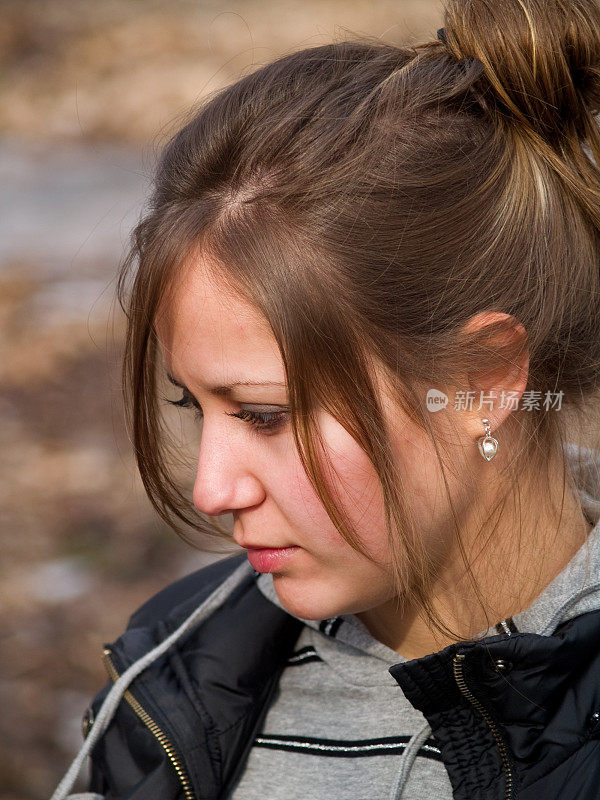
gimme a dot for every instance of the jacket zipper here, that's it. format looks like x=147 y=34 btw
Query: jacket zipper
x=152 y=727
x=457 y=665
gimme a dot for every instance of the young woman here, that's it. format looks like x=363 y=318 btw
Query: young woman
x=374 y=273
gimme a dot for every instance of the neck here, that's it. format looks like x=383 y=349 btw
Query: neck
x=521 y=557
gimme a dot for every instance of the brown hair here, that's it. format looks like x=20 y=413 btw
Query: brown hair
x=370 y=199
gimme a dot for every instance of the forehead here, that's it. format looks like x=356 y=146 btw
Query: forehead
x=204 y=322
x=199 y=294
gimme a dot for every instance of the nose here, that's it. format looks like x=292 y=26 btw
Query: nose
x=224 y=478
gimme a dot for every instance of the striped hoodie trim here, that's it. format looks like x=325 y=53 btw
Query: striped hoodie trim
x=330 y=626
x=346 y=748
x=303 y=656
x=507 y=626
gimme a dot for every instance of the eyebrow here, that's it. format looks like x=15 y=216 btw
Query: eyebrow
x=225 y=390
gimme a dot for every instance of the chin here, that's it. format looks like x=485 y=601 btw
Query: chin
x=309 y=602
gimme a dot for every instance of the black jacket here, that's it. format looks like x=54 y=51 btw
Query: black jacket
x=515 y=715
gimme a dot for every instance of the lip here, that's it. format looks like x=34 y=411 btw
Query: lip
x=270 y=559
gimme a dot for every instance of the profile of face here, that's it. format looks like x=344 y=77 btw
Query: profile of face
x=209 y=338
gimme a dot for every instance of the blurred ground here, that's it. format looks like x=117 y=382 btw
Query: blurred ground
x=122 y=70
x=88 y=92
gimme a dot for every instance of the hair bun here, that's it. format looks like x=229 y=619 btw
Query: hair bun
x=541 y=58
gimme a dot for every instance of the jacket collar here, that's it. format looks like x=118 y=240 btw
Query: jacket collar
x=539 y=692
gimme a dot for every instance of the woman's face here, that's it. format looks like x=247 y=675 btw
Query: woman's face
x=211 y=338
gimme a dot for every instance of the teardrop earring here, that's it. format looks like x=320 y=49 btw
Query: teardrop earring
x=488 y=446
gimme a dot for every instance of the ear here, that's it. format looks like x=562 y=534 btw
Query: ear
x=504 y=380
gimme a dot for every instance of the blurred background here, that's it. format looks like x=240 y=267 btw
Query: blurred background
x=89 y=92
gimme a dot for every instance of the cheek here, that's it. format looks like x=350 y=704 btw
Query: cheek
x=353 y=485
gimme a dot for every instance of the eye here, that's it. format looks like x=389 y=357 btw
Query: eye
x=187 y=401
x=261 y=420
x=265 y=421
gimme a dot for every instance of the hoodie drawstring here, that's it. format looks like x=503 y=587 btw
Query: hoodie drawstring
x=407 y=760
x=113 y=698
x=86 y=796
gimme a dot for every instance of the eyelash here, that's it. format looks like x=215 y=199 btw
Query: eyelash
x=260 y=421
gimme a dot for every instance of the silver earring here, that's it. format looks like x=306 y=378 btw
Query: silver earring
x=488 y=446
